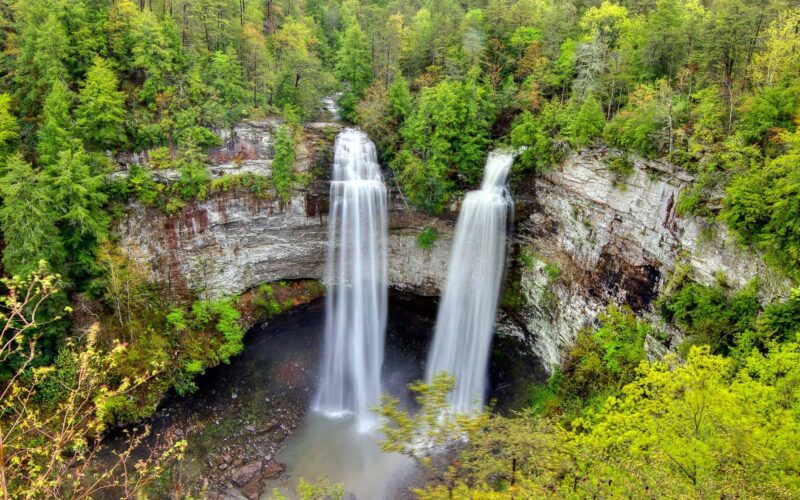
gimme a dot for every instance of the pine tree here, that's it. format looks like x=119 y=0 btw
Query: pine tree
x=56 y=133
x=101 y=112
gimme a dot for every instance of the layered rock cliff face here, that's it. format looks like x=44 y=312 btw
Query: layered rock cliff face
x=586 y=236
x=595 y=238
x=234 y=241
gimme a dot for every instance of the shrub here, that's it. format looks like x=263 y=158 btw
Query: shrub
x=427 y=237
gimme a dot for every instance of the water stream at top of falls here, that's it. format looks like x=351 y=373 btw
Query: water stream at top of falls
x=356 y=276
x=466 y=317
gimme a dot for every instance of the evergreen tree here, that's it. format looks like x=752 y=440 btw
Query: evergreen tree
x=28 y=220
x=354 y=69
x=283 y=163
x=77 y=196
x=400 y=102
x=101 y=112
x=56 y=133
x=587 y=123
x=9 y=128
x=43 y=49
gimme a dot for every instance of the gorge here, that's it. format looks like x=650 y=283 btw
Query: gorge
x=281 y=249
x=611 y=239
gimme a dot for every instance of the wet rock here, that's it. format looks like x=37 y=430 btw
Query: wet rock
x=227 y=458
x=273 y=470
x=253 y=489
x=244 y=474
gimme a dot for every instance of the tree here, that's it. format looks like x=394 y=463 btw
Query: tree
x=9 y=128
x=587 y=123
x=283 y=163
x=427 y=434
x=354 y=69
x=54 y=416
x=28 y=220
x=100 y=114
x=449 y=129
x=43 y=47
x=399 y=97
x=76 y=195
x=56 y=133
x=225 y=104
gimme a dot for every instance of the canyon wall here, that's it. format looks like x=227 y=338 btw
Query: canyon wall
x=586 y=236
x=596 y=237
x=233 y=241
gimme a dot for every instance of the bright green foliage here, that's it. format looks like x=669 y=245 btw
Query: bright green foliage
x=399 y=97
x=600 y=362
x=77 y=197
x=531 y=133
x=28 y=220
x=43 y=46
x=769 y=112
x=622 y=338
x=424 y=186
x=193 y=183
x=763 y=207
x=57 y=132
x=712 y=315
x=224 y=313
x=587 y=123
x=432 y=426
x=698 y=429
x=283 y=163
x=224 y=106
x=354 y=69
x=427 y=237
x=449 y=130
x=9 y=128
x=100 y=114
x=647 y=124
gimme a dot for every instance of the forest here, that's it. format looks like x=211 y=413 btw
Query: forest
x=90 y=344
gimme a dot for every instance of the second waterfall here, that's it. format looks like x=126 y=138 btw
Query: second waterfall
x=465 y=323
x=356 y=277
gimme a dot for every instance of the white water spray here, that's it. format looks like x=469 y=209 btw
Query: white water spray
x=466 y=318
x=356 y=277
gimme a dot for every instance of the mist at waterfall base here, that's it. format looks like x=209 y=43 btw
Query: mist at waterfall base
x=356 y=276
x=466 y=320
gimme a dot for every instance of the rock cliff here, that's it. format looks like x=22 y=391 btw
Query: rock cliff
x=595 y=237
x=234 y=241
x=588 y=237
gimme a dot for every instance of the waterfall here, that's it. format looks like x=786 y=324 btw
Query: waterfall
x=356 y=276
x=466 y=318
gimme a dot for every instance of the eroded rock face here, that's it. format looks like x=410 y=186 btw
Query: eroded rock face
x=608 y=239
x=234 y=241
x=594 y=238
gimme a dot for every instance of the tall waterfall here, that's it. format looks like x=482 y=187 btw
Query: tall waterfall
x=356 y=276
x=466 y=318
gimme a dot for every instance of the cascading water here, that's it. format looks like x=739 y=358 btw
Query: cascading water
x=465 y=322
x=356 y=276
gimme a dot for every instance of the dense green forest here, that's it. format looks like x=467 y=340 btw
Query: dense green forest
x=712 y=86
